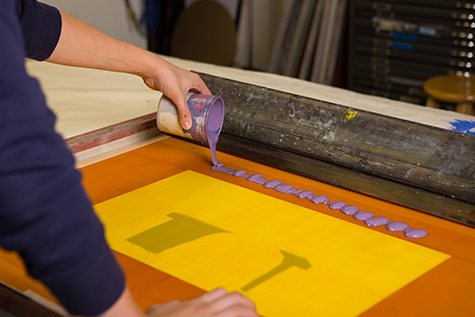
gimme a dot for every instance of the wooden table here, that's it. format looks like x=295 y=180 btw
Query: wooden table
x=446 y=290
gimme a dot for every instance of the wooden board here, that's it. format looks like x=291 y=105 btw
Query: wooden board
x=446 y=290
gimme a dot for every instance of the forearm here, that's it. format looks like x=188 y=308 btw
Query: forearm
x=82 y=45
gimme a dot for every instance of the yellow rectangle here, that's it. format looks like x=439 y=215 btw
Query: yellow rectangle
x=290 y=260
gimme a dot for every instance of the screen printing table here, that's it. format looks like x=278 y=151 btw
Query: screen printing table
x=292 y=257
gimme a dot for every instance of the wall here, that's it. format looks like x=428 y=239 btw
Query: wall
x=108 y=16
x=261 y=20
x=258 y=25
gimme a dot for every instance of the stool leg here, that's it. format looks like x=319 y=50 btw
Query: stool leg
x=466 y=108
x=432 y=103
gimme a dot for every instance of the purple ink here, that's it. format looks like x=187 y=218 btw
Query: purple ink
x=415 y=233
x=284 y=188
x=376 y=222
x=319 y=199
x=242 y=174
x=216 y=167
x=303 y=193
x=272 y=184
x=396 y=226
x=219 y=167
x=213 y=123
x=349 y=210
x=362 y=215
x=257 y=178
x=336 y=205
x=212 y=147
x=365 y=216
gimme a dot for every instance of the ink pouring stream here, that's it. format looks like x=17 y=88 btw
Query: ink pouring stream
x=207 y=116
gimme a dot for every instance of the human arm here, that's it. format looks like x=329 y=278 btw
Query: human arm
x=83 y=46
x=44 y=212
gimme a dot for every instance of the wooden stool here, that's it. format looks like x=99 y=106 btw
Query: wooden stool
x=453 y=89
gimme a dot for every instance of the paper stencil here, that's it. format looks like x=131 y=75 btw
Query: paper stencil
x=290 y=260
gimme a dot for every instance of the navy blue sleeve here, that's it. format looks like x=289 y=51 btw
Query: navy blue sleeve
x=45 y=213
x=41 y=28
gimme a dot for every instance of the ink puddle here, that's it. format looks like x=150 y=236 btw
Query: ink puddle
x=349 y=210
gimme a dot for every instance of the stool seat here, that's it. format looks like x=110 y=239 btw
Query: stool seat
x=452 y=89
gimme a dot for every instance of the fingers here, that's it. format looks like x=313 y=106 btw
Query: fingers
x=183 y=111
x=175 y=82
x=188 y=81
x=233 y=300
x=198 y=85
x=214 y=295
x=223 y=304
x=201 y=87
x=179 y=99
x=217 y=303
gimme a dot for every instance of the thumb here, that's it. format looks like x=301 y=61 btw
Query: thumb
x=185 y=119
x=183 y=111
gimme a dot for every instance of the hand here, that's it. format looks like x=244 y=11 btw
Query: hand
x=175 y=82
x=217 y=303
